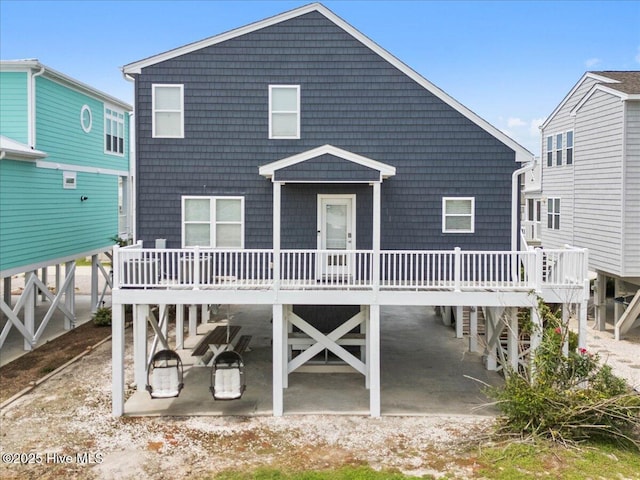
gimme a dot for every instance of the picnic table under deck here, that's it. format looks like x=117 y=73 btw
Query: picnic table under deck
x=216 y=341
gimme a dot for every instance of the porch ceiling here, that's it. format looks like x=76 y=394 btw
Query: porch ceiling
x=327 y=164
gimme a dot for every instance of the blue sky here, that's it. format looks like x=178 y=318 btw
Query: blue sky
x=511 y=62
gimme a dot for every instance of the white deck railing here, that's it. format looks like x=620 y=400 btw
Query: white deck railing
x=137 y=267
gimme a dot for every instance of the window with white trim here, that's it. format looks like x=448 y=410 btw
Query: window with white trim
x=549 y=151
x=284 y=111
x=553 y=214
x=113 y=131
x=458 y=214
x=168 y=111
x=570 y=147
x=216 y=222
x=559 y=149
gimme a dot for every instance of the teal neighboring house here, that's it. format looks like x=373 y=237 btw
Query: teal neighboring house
x=64 y=177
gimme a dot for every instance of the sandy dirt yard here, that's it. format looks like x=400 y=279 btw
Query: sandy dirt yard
x=63 y=429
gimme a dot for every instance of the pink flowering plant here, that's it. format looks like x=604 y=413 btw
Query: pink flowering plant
x=567 y=394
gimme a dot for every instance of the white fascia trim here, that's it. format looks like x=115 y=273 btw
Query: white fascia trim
x=522 y=154
x=79 y=168
x=593 y=76
x=384 y=169
x=597 y=88
x=28 y=65
x=14 y=150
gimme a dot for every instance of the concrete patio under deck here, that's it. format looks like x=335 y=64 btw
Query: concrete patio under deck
x=424 y=372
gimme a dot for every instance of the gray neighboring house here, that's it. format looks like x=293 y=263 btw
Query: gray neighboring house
x=590 y=192
x=295 y=163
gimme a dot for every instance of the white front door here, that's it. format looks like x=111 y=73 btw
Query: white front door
x=336 y=231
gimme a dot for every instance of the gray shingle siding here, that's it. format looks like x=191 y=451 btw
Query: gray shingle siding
x=350 y=98
x=327 y=168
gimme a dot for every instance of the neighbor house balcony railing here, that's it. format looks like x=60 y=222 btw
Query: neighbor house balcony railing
x=195 y=268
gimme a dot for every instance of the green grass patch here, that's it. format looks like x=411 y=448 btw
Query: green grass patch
x=544 y=459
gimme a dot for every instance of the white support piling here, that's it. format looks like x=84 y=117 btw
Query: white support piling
x=536 y=337
x=193 y=320
x=29 y=311
x=117 y=360
x=459 y=324
x=70 y=295
x=600 y=301
x=566 y=309
x=140 y=314
x=490 y=350
x=179 y=327
x=94 y=283
x=163 y=318
x=473 y=329
x=374 y=360
x=279 y=363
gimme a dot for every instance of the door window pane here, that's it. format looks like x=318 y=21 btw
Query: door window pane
x=336 y=218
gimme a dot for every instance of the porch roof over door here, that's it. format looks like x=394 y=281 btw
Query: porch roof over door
x=327 y=164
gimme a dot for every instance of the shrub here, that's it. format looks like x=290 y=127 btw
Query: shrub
x=567 y=396
x=102 y=317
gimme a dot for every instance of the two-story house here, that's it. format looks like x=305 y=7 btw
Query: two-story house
x=295 y=163
x=64 y=187
x=591 y=184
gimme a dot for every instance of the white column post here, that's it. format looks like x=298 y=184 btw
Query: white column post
x=490 y=350
x=457 y=268
x=70 y=295
x=94 y=283
x=473 y=329
x=29 y=311
x=536 y=337
x=374 y=360
x=179 y=327
x=618 y=308
x=58 y=277
x=140 y=313
x=582 y=316
x=459 y=324
x=193 y=320
x=276 y=235
x=376 y=244
x=279 y=363
x=600 y=301
x=117 y=360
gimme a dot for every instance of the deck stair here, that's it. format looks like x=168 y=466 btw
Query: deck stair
x=524 y=342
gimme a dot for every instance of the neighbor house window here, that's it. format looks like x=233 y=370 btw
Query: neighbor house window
x=559 y=149
x=168 y=111
x=553 y=214
x=284 y=111
x=458 y=214
x=570 y=147
x=549 y=151
x=113 y=131
x=216 y=222
x=69 y=180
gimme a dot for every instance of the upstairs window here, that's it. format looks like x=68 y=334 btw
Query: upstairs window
x=549 y=151
x=168 y=111
x=113 y=131
x=559 y=149
x=570 y=147
x=216 y=222
x=458 y=215
x=284 y=111
x=553 y=214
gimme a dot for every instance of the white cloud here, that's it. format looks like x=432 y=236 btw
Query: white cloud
x=515 y=122
x=592 y=62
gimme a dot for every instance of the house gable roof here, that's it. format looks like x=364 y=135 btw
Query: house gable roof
x=13 y=150
x=624 y=84
x=48 y=72
x=361 y=169
x=522 y=154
